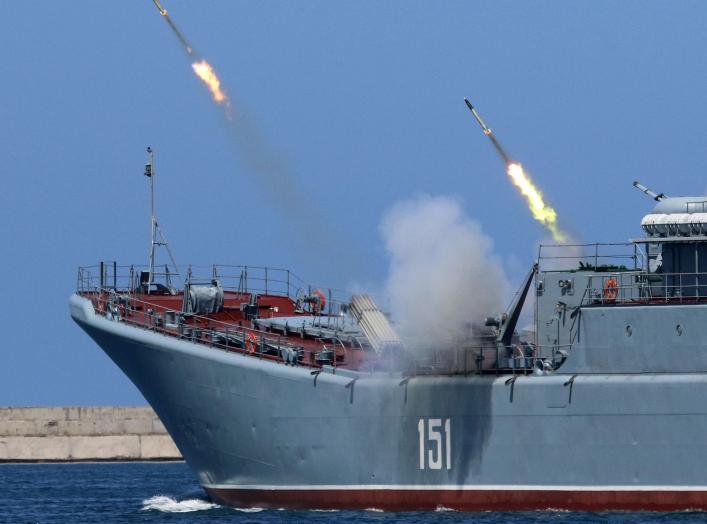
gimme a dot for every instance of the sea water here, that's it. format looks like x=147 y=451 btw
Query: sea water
x=168 y=492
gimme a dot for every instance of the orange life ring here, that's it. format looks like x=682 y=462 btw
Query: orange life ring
x=251 y=342
x=318 y=308
x=611 y=289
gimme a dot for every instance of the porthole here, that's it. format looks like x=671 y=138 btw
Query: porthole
x=678 y=330
x=629 y=330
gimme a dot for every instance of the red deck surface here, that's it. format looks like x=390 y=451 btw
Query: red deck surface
x=142 y=309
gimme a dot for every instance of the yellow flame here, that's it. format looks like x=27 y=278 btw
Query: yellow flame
x=541 y=211
x=204 y=71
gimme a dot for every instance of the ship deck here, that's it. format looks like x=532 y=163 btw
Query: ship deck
x=313 y=344
x=269 y=314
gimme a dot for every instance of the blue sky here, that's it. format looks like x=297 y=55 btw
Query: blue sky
x=362 y=101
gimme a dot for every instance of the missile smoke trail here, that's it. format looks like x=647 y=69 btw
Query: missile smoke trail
x=264 y=162
x=201 y=67
x=541 y=210
x=177 y=32
x=272 y=172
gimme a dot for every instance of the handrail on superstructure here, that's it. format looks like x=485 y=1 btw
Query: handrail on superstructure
x=643 y=287
x=249 y=279
x=504 y=360
x=257 y=280
x=599 y=253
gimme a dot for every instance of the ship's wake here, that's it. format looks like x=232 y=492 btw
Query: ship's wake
x=443 y=509
x=167 y=504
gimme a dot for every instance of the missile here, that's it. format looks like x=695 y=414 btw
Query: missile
x=487 y=131
x=655 y=196
x=161 y=9
x=484 y=127
x=176 y=31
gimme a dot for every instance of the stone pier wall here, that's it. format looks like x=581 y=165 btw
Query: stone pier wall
x=66 y=434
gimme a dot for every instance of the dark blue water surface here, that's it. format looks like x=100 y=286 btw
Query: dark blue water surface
x=168 y=492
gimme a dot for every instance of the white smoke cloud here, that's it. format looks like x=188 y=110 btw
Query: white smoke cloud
x=443 y=272
x=561 y=256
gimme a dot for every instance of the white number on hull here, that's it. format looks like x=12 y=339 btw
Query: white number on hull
x=434 y=446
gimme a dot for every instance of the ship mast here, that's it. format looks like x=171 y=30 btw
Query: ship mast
x=157 y=238
x=149 y=172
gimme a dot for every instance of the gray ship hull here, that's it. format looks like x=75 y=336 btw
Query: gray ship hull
x=262 y=433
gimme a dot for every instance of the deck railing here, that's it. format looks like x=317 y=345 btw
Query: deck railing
x=113 y=290
x=235 y=278
x=126 y=308
x=595 y=256
x=489 y=359
x=464 y=360
x=245 y=279
x=641 y=287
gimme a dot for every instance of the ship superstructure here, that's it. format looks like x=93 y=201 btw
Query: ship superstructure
x=280 y=394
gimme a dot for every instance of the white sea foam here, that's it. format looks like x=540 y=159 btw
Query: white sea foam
x=375 y=510
x=250 y=510
x=170 y=505
x=442 y=508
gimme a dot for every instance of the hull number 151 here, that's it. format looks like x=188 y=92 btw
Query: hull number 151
x=435 y=443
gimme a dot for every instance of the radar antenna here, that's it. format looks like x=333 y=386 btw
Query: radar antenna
x=157 y=238
x=647 y=191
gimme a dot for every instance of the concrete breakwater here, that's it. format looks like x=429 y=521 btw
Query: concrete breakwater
x=66 y=434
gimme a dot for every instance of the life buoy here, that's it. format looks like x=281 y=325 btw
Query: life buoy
x=611 y=289
x=251 y=342
x=319 y=307
x=117 y=311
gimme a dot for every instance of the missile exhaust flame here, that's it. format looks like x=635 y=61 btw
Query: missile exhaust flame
x=204 y=71
x=541 y=210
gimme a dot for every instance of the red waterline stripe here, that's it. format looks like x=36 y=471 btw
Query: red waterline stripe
x=463 y=500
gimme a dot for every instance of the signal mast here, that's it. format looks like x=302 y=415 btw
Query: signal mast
x=157 y=238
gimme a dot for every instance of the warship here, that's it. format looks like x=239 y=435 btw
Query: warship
x=282 y=395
